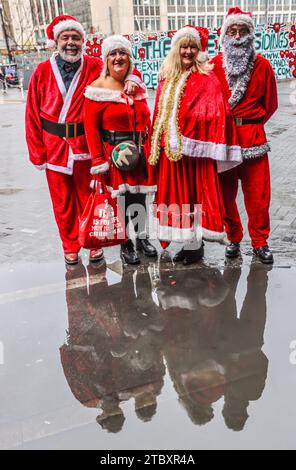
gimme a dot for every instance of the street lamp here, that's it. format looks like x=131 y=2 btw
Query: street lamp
x=5 y=33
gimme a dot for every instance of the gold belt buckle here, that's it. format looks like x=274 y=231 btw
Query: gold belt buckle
x=68 y=127
x=239 y=121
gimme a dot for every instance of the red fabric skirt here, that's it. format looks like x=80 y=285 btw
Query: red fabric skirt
x=189 y=186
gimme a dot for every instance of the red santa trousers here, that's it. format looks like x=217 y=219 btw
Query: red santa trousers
x=255 y=179
x=69 y=194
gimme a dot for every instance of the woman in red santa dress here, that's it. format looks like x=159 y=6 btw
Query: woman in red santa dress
x=112 y=118
x=194 y=138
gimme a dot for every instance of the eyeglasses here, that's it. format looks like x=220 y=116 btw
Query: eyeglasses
x=234 y=32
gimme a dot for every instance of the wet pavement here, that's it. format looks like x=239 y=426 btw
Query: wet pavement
x=159 y=357
x=155 y=357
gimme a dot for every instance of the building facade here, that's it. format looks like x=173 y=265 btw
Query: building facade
x=210 y=13
x=128 y=16
x=43 y=12
x=26 y=21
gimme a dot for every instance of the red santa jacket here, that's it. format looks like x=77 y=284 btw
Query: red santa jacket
x=259 y=101
x=48 y=98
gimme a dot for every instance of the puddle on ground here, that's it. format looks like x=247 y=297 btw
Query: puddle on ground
x=102 y=357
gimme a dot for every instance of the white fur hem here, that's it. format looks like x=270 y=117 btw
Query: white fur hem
x=67 y=25
x=66 y=170
x=226 y=156
x=96 y=170
x=211 y=236
x=175 y=234
x=123 y=188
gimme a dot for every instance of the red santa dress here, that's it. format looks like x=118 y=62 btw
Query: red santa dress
x=111 y=110
x=194 y=138
x=66 y=160
x=259 y=102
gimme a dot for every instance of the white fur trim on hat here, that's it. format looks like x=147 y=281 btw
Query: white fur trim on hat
x=67 y=25
x=230 y=20
x=185 y=32
x=115 y=42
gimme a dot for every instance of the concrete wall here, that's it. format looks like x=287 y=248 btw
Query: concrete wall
x=121 y=19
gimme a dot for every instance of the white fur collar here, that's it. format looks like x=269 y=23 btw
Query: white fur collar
x=105 y=94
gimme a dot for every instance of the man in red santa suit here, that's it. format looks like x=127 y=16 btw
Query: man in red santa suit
x=249 y=83
x=54 y=127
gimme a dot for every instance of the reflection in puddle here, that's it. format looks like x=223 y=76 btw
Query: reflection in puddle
x=128 y=329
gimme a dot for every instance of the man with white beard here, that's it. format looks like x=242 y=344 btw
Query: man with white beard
x=55 y=131
x=249 y=82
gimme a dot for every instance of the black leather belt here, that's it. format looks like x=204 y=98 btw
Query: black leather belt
x=67 y=130
x=240 y=121
x=116 y=137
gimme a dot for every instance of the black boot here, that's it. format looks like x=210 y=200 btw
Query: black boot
x=193 y=256
x=144 y=246
x=264 y=254
x=232 y=250
x=128 y=253
x=180 y=256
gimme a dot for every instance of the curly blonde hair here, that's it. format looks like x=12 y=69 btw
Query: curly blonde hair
x=172 y=66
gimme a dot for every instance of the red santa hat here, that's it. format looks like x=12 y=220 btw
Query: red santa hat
x=199 y=34
x=237 y=16
x=62 y=23
x=116 y=41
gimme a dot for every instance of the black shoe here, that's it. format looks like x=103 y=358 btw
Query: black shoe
x=128 y=253
x=232 y=250
x=144 y=246
x=180 y=256
x=264 y=254
x=193 y=256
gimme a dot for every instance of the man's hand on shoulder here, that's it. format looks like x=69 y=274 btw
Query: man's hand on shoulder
x=131 y=88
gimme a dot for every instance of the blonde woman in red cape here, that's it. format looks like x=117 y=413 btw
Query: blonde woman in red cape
x=194 y=138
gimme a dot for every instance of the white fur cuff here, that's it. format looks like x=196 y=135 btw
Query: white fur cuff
x=133 y=78
x=96 y=170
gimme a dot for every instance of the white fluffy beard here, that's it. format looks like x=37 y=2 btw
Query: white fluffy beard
x=70 y=58
x=238 y=53
x=239 y=57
